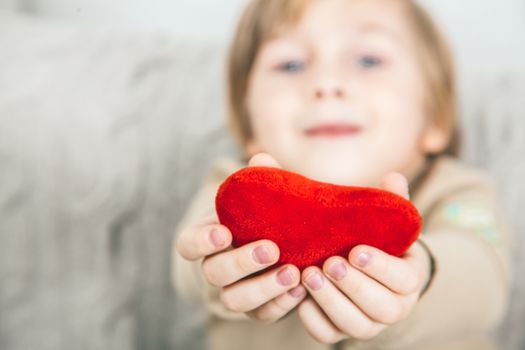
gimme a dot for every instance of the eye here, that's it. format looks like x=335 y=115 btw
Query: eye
x=369 y=61
x=292 y=66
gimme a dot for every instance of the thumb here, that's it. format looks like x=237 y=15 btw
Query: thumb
x=263 y=159
x=396 y=183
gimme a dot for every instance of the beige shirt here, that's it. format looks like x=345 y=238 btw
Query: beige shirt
x=462 y=227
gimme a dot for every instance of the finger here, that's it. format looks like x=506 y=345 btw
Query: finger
x=372 y=298
x=231 y=266
x=251 y=293
x=263 y=159
x=397 y=274
x=345 y=315
x=209 y=220
x=317 y=324
x=396 y=183
x=203 y=239
x=278 y=307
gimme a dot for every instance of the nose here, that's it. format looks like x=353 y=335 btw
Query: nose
x=329 y=88
x=321 y=92
x=328 y=80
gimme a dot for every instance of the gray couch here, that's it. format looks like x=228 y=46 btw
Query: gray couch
x=104 y=137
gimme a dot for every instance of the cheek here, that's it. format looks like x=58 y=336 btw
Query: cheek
x=400 y=112
x=397 y=107
x=273 y=109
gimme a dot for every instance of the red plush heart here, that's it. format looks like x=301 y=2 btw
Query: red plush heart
x=311 y=221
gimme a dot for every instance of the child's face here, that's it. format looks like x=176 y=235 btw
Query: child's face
x=340 y=97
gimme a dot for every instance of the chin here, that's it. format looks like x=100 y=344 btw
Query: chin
x=338 y=175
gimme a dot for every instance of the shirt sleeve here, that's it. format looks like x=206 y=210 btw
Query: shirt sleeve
x=187 y=276
x=470 y=243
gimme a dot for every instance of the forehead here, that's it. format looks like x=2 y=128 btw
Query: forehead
x=319 y=17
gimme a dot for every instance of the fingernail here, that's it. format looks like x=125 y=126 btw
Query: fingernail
x=363 y=259
x=314 y=281
x=261 y=255
x=285 y=277
x=297 y=292
x=337 y=270
x=217 y=238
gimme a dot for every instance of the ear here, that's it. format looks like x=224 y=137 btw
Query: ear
x=434 y=140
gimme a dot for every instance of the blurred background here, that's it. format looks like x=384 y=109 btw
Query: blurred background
x=111 y=113
x=486 y=33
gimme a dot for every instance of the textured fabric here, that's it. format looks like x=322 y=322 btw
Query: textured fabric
x=101 y=138
x=311 y=221
x=471 y=271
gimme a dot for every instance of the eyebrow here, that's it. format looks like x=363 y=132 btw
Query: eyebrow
x=377 y=28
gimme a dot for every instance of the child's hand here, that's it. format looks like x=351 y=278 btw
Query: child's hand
x=360 y=296
x=266 y=297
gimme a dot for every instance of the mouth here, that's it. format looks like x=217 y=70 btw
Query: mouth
x=333 y=130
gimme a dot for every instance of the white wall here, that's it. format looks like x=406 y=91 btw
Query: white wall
x=487 y=34
x=206 y=19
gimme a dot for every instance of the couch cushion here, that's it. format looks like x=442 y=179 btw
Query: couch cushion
x=104 y=137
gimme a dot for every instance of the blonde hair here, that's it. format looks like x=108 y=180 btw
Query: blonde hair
x=264 y=18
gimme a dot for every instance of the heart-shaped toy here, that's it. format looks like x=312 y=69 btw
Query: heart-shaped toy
x=311 y=221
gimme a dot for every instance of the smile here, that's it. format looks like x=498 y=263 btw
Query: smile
x=333 y=130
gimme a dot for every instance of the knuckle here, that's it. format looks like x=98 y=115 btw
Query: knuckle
x=230 y=302
x=249 y=302
x=210 y=274
x=236 y=299
x=362 y=330
x=356 y=286
x=256 y=315
x=384 y=267
x=263 y=315
x=328 y=337
x=180 y=246
x=365 y=332
x=392 y=313
x=280 y=307
x=302 y=309
x=411 y=284
x=211 y=219
x=267 y=289
x=192 y=243
x=372 y=333
x=243 y=264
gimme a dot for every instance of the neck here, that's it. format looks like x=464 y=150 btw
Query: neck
x=417 y=173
